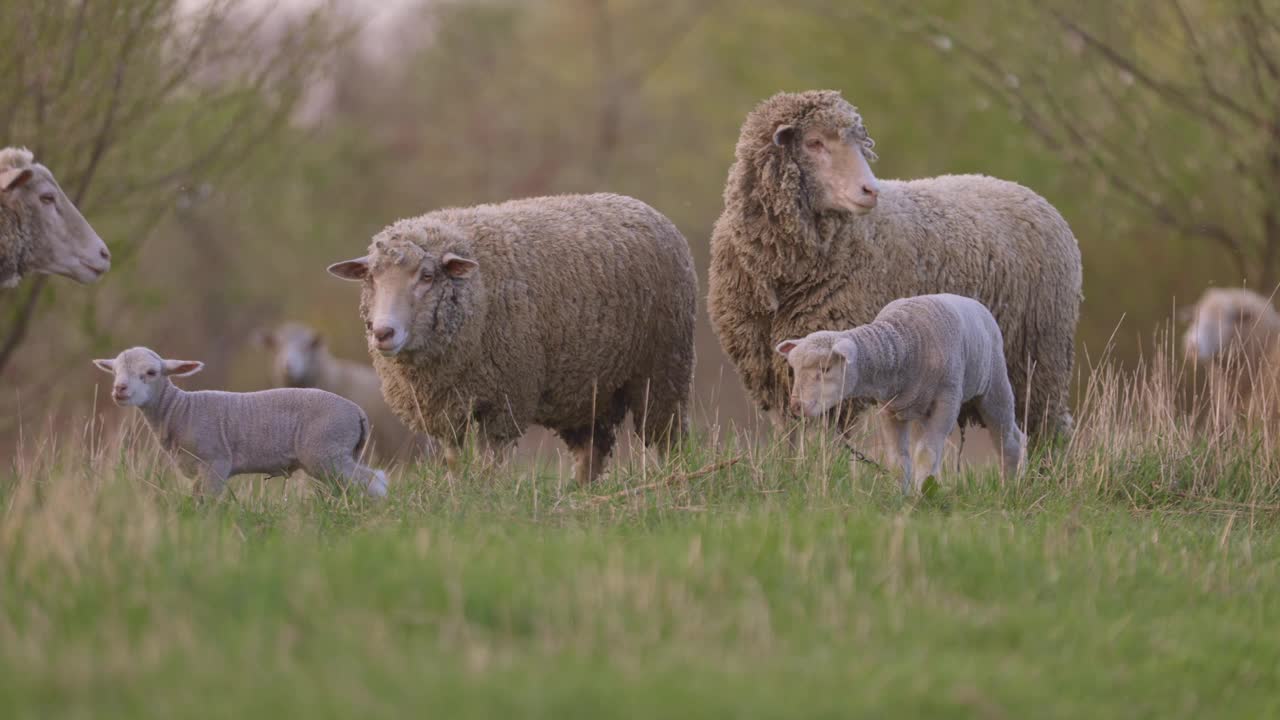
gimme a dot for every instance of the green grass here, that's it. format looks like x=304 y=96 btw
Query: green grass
x=762 y=586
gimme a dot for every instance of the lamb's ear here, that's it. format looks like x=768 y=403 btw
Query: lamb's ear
x=785 y=347
x=354 y=269
x=182 y=368
x=14 y=178
x=783 y=134
x=106 y=365
x=845 y=350
x=458 y=266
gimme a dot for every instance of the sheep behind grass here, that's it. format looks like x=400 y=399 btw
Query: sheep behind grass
x=922 y=358
x=301 y=358
x=811 y=239
x=213 y=435
x=41 y=231
x=1236 y=334
x=565 y=312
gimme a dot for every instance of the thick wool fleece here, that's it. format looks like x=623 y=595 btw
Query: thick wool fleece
x=16 y=243
x=1236 y=332
x=779 y=271
x=581 y=309
x=303 y=362
x=923 y=357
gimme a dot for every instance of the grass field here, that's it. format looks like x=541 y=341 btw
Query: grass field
x=1133 y=573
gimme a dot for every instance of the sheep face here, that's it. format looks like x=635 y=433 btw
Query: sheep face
x=821 y=374
x=1223 y=321
x=832 y=151
x=415 y=300
x=67 y=245
x=140 y=373
x=296 y=349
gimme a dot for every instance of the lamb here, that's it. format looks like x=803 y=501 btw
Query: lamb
x=922 y=357
x=41 y=231
x=302 y=359
x=810 y=239
x=565 y=312
x=213 y=435
x=1236 y=333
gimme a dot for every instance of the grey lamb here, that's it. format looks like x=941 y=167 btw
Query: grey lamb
x=213 y=435
x=922 y=357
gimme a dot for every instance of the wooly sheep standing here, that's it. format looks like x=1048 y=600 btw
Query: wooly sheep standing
x=213 y=435
x=564 y=312
x=810 y=239
x=922 y=358
x=1236 y=333
x=301 y=358
x=41 y=231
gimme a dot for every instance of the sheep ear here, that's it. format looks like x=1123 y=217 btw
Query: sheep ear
x=182 y=368
x=106 y=365
x=458 y=266
x=845 y=350
x=15 y=178
x=355 y=269
x=785 y=347
x=782 y=136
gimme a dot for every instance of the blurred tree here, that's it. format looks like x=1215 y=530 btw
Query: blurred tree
x=1171 y=105
x=130 y=101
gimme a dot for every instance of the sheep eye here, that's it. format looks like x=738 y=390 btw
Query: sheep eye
x=814 y=144
x=48 y=199
x=151 y=373
x=426 y=276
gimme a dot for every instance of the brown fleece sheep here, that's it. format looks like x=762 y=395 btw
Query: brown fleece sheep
x=810 y=240
x=564 y=312
x=1236 y=333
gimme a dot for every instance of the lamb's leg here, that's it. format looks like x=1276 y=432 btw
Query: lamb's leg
x=897 y=435
x=354 y=475
x=1000 y=416
x=211 y=478
x=937 y=427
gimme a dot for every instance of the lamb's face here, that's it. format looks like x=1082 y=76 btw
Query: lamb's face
x=140 y=372
x=295 y=348
x=830 y=150
x=820 y=375
x=415 y=300
x=1222 y=321
x=68 y=245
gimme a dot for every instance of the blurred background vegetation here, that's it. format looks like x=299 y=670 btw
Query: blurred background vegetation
x=228 y=151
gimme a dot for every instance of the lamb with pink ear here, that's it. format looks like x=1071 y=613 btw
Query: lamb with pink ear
x=213 y=435
x=923 y=358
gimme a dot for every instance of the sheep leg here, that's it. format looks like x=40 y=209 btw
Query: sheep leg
x=591 y=447
x=211 y=478
x=1000 y=416
x=897 y=436
x=937 y=427
x=352 y=474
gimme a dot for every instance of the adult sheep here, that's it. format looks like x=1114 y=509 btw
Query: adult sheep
x=41 y=231
x=564 y=312
x=1236 y=334
x=810 y=240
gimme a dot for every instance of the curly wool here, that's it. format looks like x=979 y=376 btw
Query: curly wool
x=780 y=270
x=581 y=309
x=16 y=242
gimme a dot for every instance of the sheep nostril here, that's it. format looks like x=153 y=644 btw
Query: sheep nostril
x=871 y=190
x=383 y=334
x=105 y=253
x=795 y=407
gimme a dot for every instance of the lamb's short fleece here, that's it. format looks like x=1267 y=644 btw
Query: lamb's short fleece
x=213 y=435
x=922 y=357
